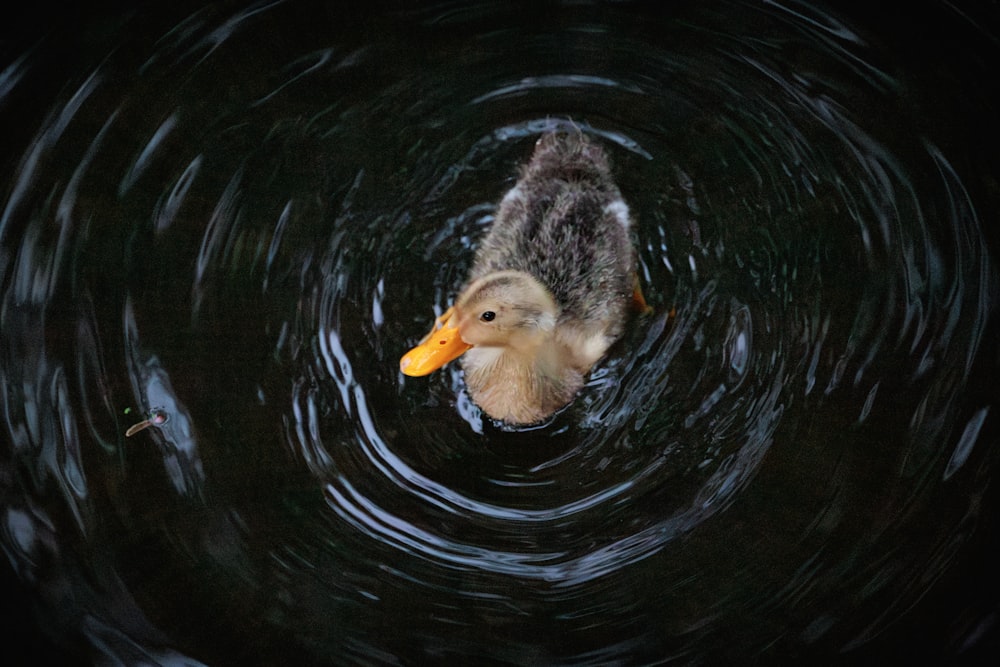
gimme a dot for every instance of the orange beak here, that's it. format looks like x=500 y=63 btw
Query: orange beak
x=441 y=345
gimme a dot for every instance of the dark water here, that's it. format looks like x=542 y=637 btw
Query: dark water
x=236 y=218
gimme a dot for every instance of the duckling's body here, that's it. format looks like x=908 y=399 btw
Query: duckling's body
x=550 y=287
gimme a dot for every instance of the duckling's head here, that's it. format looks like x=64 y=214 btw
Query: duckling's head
x=507 y=310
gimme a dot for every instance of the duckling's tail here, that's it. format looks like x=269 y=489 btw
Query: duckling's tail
x=563 y=154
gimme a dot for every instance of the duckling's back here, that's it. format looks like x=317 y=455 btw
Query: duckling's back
x=565 y=223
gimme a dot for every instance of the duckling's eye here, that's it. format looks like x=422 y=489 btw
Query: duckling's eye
x=488 y=316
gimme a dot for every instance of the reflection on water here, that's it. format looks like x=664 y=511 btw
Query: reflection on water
x=225 y=226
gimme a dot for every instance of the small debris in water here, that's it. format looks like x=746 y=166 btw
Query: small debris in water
x=156 y=417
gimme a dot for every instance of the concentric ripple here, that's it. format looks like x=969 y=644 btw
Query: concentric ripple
x=226 y=226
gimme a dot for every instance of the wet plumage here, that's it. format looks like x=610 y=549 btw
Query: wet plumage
x=549 y=290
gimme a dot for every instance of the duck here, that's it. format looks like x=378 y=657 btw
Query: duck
x=550 y=287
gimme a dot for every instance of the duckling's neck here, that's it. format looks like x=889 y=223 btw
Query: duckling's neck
x=518 y=385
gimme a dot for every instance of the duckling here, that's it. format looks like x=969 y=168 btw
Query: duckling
x=549 y=290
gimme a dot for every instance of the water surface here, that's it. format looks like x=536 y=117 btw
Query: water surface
x=232 y=221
